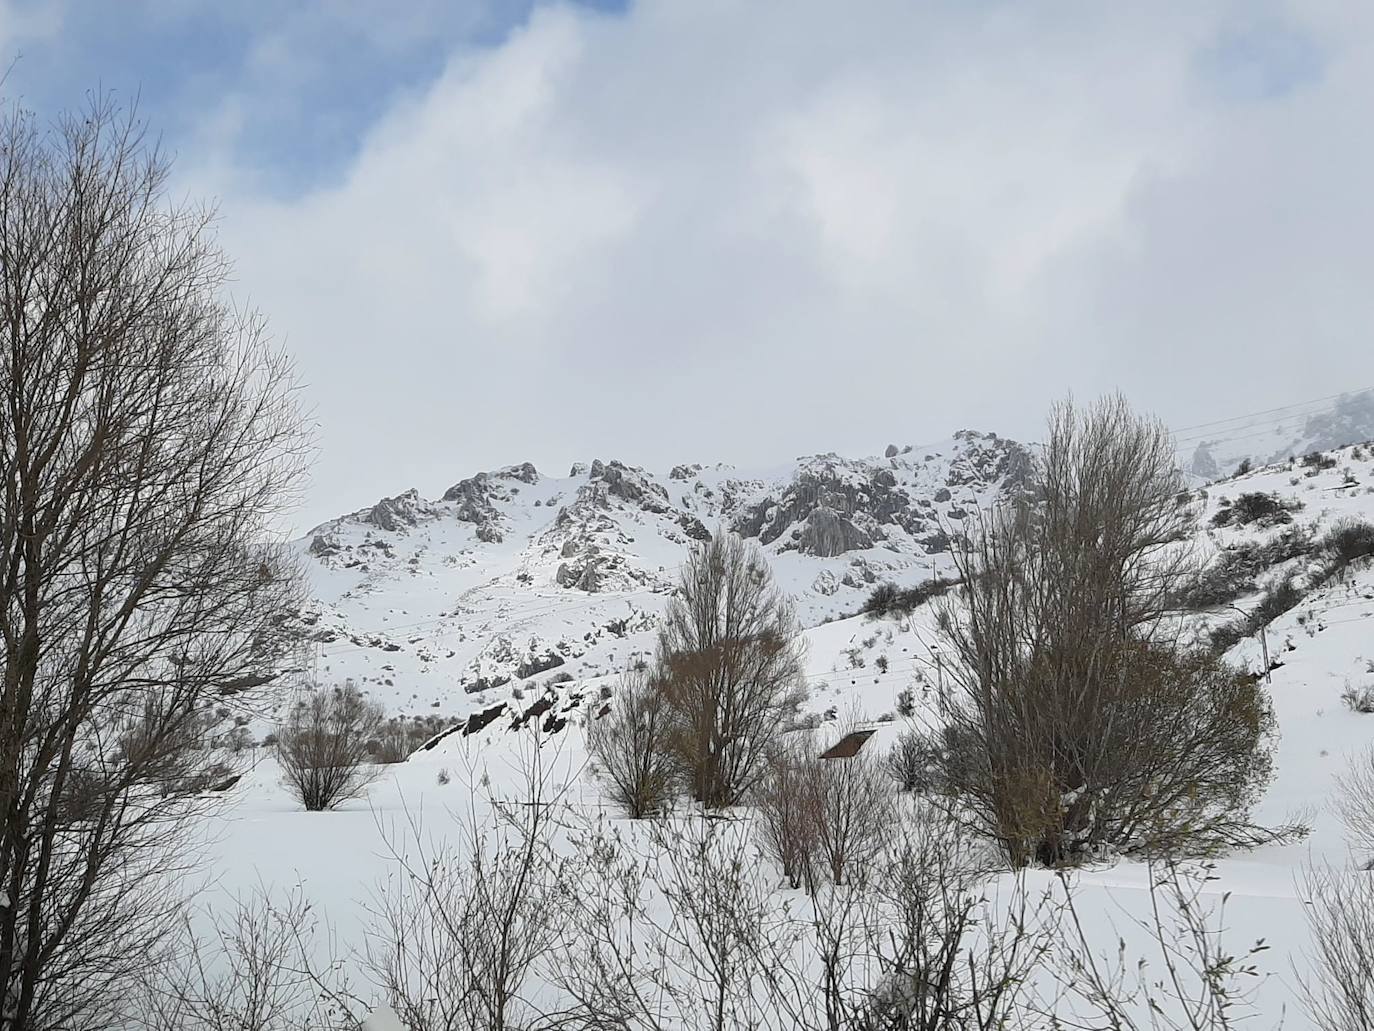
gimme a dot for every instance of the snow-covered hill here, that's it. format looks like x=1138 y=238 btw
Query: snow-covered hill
x=515 y=581
x=519 y=594
x=1219 y=448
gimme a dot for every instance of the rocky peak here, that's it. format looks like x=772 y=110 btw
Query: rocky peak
x=630 y=483
x=473 y=499
x=399 y=513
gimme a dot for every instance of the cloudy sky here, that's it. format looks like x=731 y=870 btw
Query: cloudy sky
x=744 y=230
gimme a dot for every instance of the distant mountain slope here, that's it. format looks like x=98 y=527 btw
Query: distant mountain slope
x=1218 y=449
x=514 y=582
x=513 y=578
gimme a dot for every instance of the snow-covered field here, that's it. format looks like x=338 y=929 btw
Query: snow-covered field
x=422 y=615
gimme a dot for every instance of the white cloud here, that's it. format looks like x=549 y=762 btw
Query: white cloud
x=738 y=230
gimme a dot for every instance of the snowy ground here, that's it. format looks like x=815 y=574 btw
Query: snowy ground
x=262 y=840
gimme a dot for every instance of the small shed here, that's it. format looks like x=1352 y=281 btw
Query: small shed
x=848 y=746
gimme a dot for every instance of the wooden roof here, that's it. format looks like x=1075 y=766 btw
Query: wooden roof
x=848 y=746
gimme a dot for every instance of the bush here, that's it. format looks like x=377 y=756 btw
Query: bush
x=906 y=702
x=631 y=745
x=1316 y=460
x=1258 y=508
x=1348 y=541
x=822 y=814
x=1184 y=754
x=1235 y=572
x=1280 y=597
x=323 y=747
x=914 y=762
x=887 y=599
x=1358 y=699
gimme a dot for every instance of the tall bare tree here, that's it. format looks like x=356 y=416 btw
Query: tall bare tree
x=1077 y=721
x=730 y=667
x=148 y=436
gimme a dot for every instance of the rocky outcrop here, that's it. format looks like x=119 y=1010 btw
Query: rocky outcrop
x=525 y=472
x=398 y=514
x=826 y=534
x=835 y=491
x=631 y=484
x=986 y=459
x=473 y=500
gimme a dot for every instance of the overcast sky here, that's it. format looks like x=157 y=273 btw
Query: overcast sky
x=740 y=230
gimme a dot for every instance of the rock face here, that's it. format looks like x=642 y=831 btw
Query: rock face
x=826 y=534
x=630 y=483
x=399 y=513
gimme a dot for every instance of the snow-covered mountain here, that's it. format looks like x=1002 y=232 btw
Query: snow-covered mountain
x=515 y=594
x=1219 y=448
x=515 y=580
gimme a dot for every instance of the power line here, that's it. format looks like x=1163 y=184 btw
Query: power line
x=1271 y=411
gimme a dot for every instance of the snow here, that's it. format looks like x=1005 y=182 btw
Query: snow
x=450 y=612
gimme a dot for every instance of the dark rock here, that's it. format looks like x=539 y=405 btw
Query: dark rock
x=525 y=472
x=324 y=545
x=827 y=534
x=398 y=513
x=693 y=527
x=891 y=451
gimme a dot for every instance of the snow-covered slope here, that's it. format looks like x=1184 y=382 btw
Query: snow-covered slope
x=1218 y=449
x=419 y=601
x=514 y=581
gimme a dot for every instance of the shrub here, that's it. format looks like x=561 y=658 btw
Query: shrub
x=1358 y=699
x=887 y=599
x=822 y=814
x=906 y=702
x=323 y=747
x=914 y=761
x=1348 y=541
x=1316 y=460
x=1258 y=508
x=1280 y=597
x=631 y=745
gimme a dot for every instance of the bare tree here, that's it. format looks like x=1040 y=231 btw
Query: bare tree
x=853 y=814
x=149 y=434
x=1339 y=990
x=323 y=747
x=1076 y=721
x=730 y=667
x=683 y=931
x=786 y=799
x=254 y=972
x=1197 y=984
x=456 y=933
x=631 y=745
x=1355 y=806
x=962 y=954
